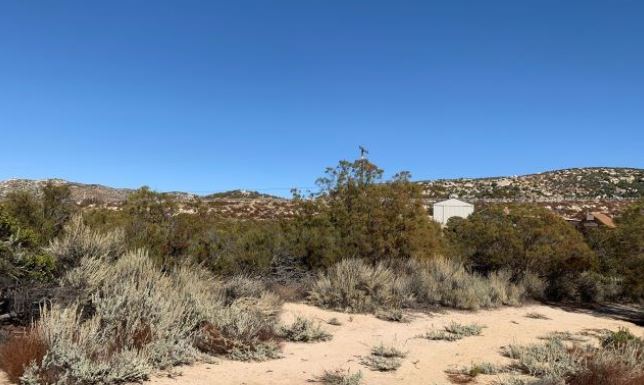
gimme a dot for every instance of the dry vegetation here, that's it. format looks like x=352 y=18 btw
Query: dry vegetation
x=113 y=296
x=355 y=286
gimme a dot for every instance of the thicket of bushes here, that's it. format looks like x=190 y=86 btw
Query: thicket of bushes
x=117 y=317
x=356 y=214
x=129 y=291
x=356 y=286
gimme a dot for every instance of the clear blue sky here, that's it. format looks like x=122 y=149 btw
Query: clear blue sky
x=208 y=96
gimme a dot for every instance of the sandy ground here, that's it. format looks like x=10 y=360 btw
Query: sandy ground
x=426 y=362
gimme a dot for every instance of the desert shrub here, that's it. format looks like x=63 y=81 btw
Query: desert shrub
x=523 y=238
x=339 y=377
x=448 y=283
x=536 y=315
x=453 y=332
x=553 y=362
x=21 y=260
x=620 y=338
x=467 y=374
x=44 y=214
x=353 y=285
x=334 y=321
x=131 y=318
x=595 y=287
x=304 y=330
x=19 y=351
x=356 y=286
x=621 y=251
x=384 y=358
x=240 y=285
x=549 y=360
x=392 y=315
x=533 y=285
x=79 y=240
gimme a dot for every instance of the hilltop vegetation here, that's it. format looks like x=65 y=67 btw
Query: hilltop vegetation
x=568 y=192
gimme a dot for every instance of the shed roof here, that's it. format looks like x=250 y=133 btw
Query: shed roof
x=453 y=203
x=604 y=219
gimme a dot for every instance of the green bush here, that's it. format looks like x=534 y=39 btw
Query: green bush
x=357 y=214
x=523 y=239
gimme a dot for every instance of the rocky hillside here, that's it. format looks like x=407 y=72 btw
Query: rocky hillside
x=599 y=183
x=240 y=204
x=569 y=192
x=80 y=192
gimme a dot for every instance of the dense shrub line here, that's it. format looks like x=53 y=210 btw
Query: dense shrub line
x=118 y=317
x=354 y=285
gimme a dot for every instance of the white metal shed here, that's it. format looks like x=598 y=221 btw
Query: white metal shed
x=445 y=210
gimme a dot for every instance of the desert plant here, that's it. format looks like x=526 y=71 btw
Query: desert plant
x=19 y=351
x=339 y=377
x=384 y=358
x=453 y=332
x=468 y=373
x=304 y=330
x=353 y=285
x=536 y=315
x=448 y=283
x=555 y=363
x=563 y=336
x=392 y=315
x=132 y=318
x=240 y=285
x=80 y=241
x=334 y=321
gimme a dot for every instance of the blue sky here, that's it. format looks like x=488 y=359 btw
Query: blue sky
x=209 y=96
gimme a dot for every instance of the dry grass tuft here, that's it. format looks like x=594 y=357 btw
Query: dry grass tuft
x=339 y=377
x=535 y=315
x=19 y=351
x=304 y=330
x=453 y=332
x=354 y=285
x=384 y=358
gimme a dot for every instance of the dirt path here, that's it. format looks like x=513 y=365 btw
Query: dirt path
x=425 y=363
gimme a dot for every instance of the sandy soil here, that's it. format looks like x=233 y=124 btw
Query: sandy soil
x=426 y=362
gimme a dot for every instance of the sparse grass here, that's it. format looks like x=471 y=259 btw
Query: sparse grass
x=339 y=377
x=535 y=315
x=563 y=336
x=384 y=358
x=510 y=380
x=392 y=315
x=334 y=321
x=464 y=330
x=466 y=374
x=453 y=332
x=304 y=330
